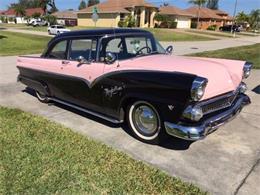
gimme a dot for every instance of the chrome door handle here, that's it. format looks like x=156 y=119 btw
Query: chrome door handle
x=65 y=62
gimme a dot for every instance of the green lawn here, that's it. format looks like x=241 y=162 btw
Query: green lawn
x=212 y=33
x=160 y=34
x=170 y=35
x=40 y=157
x=249 y=53
x=18 y=43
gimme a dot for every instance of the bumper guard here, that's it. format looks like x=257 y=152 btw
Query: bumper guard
x=196 y=132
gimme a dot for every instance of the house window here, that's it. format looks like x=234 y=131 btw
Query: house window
x=122 y=17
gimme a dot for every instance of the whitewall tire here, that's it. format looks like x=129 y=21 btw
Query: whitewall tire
x=144 y=121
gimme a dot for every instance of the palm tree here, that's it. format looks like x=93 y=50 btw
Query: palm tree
x=19 y=10
x=45 y=3
x=254 y=19
x=198 y=3
x=242 y=17
x=212 y=4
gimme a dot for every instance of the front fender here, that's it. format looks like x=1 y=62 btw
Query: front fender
x=169 y=92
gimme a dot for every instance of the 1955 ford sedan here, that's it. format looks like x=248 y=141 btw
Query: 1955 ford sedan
x=126 y=75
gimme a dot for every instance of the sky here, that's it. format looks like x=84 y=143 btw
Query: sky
x=226 y=5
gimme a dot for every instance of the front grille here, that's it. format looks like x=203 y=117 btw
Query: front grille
x=218 y=103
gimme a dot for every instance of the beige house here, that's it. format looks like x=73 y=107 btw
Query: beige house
x=112 y=11
x=182 y=17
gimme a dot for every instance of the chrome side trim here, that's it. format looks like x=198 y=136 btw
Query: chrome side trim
x=200 y=130
x=87 y=111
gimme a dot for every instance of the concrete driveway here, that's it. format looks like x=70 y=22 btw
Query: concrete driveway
x=226 y=162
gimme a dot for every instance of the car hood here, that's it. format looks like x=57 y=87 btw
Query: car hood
x=223 y=75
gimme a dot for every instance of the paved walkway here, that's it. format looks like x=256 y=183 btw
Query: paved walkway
x=226 y=162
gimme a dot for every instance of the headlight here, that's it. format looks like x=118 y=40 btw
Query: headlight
x=193 y=113
x=242 y=87
x=247 y=70
x=198 y=88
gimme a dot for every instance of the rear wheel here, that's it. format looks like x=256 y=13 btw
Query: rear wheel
x=42 y=98
x=144 y=121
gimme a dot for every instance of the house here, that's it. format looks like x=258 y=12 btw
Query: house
x=226 y=19
x=68 y=18
x=12 y=17
x=112 y=11
x=209 y=17
x=182 y=17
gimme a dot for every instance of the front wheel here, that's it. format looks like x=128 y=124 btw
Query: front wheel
x=144 y=121
x=42 y=98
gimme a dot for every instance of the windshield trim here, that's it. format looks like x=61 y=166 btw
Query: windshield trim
x=148 y=35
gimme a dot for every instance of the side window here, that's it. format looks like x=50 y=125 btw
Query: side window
x=134 y=44
x=115 y=46
x=59 y=50
x=83 y=47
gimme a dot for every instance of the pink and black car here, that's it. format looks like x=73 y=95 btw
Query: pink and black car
x=126 y=75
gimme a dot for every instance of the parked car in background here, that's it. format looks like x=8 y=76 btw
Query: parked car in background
x=57 y=29
x=235 y=28
x=126 y=75
x=37 y=22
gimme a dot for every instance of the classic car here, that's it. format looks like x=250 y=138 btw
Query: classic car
x=126 y=75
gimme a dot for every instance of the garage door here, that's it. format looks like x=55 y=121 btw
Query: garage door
x=183 y=23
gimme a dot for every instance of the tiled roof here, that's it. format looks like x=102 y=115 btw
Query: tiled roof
x=220 y=12
x=172 y=10
x=65 y=14
x=29 y=12
x=117 y=6
x=205 y=13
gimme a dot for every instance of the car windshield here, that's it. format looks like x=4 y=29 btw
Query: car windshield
x=60 y=26
x=126 y=47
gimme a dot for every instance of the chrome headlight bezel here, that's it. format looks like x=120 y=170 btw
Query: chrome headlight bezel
x=198 y=88
x=247 y=69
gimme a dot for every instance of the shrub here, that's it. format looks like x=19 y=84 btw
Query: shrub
x=122 y=23
x=3 y=19
x=129 y=21
x=172 y=24
x=212 y=27
x=11 y=19
x=51 y=19
x=36 y=15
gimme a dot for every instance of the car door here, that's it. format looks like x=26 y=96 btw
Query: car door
x=81 y=89
x=52 y=67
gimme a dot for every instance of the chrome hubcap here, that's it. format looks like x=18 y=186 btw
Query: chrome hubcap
x=145 y=120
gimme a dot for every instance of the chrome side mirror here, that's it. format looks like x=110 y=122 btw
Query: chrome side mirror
x=82 y=60
x=110 y=58
x=169 y=49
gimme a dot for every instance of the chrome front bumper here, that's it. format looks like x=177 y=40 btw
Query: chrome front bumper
x=195 y=132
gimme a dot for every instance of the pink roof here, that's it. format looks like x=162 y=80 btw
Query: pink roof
x=29 y=12
x=117 y=6
x=172 y=10
x=205 y=13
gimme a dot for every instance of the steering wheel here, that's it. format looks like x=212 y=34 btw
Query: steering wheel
x=140 y=51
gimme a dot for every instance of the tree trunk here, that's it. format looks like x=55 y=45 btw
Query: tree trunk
x=198 y=17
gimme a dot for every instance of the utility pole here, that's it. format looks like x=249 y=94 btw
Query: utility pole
x=234 y=16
